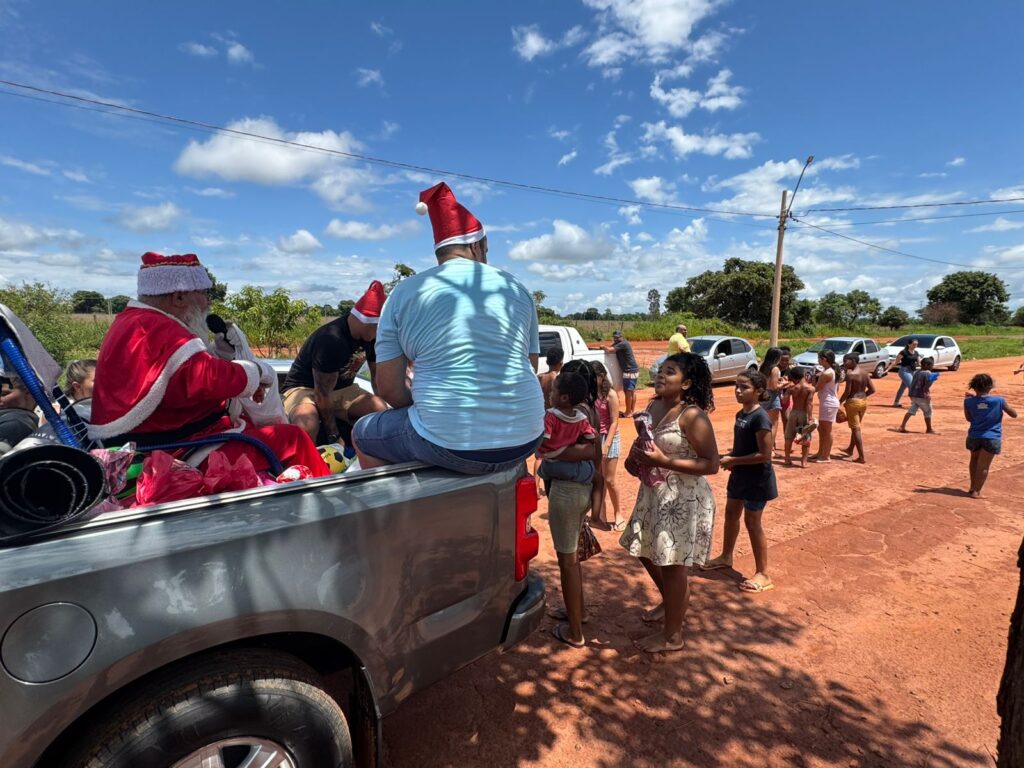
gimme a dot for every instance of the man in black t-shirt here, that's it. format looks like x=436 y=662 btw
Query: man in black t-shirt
x=630 y=370
x=320 y=388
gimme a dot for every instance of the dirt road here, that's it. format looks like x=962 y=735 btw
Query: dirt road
x=881 y=646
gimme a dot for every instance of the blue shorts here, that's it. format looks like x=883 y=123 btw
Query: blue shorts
x=615 y=449
x=991 y=444
x=774 y=403
x=753 y=505
x=573 y=471
x=629 y=379
x=389 y=435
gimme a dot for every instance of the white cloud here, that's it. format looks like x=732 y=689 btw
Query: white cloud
x=389 y=129
x=678 y=101
x=367 y=77
x=17 y=235
x=956 y=162
x=21 y=165
x=567 y=244
x=302 y=241
x=1006 y=192
x=379 y=29
x=559 y=135
x=198 y=49
x=732 y=146
x=150 y=218
x=561 y=272
x=361 y=230
x=933 y=175
x=77 y=176
x=239 y=54
x=1001 y=224
x=631 y=213
x=567 y=158
x=529 y=42
x=650 y=29
x=653 y=189
x=616 y=157
x=720 y=94
x=224 y=194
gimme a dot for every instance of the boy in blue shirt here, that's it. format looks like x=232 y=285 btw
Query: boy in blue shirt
x=985 y=412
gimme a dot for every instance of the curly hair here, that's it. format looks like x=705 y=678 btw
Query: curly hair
x=757 y=379
x=981 y=382
x=695 y=370
x=586 y=370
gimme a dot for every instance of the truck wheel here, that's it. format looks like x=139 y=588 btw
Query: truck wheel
x=956 y=364
x=880 y=370
x=228 y=710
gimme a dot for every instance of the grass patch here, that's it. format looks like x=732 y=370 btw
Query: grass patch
x=984 y=349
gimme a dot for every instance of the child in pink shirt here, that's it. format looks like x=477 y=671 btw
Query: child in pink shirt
x=565 y=425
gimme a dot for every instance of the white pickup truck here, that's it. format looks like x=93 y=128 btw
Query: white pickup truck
x=575 y=348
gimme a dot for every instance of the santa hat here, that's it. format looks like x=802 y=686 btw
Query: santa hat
x=453 y=224
x=368 y=308
x=160 y=275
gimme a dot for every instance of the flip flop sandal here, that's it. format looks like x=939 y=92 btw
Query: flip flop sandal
x=752 y=586
x=715 y=567
x=559 y=632
x=560 y=615
x=619 y=526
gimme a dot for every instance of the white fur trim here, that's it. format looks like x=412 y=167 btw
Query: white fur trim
x=253 y=374
x=172 y=278
x=365 y=318
x=147 y=406
x=466 y=239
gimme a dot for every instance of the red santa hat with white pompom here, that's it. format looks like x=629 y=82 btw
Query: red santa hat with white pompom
x=369 y=307
x=453 y=224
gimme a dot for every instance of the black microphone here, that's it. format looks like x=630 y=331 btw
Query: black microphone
x=216 y=324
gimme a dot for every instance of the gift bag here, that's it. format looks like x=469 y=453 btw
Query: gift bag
x=588 y=544
x=164 y=478
x=841 y=416
x=649 y=476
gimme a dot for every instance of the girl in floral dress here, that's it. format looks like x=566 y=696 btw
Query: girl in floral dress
x=672 y=522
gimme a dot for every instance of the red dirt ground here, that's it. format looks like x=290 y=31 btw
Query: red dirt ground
x=882 y=644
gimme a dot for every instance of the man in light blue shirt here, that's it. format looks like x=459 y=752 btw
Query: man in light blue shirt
x=470 y=332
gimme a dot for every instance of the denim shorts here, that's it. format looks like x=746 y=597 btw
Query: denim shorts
x=754 y=506
x=629 y=380
x=774 y=402
x=572 y=471
x=615 y=449
x=922 y=404
x=993 y=445
x=389 y=435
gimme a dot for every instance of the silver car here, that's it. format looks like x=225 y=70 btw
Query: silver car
x=726 y=356
x=872 y=357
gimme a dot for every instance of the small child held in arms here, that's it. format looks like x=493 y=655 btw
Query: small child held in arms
x=921 y=396
x=985 y=412
x=798 y=425
x=565 y=424
x=751 y=482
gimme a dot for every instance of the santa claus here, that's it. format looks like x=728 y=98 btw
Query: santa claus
x=156 y=383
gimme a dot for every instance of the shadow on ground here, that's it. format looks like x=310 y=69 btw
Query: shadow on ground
x=726 y=701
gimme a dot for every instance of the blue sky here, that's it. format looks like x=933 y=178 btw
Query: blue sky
x=689 y=102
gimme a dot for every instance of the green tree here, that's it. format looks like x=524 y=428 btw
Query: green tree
x=865 y=307
x=894 y=318
x=980 y=296
x=591 y=313
x=345 y=305
x=941 y=313
x=607 y=314
x=88 y=302
x=538 y=297
x=219 y=291
x=119 y=303
x=654 y=303
x=326 y=310
x=835 y=309
x=45 y=311
x=739 y=293
x=1018 y=316
x=802 y=315
x=675 y=300
x=402 y=271
x=267 y=317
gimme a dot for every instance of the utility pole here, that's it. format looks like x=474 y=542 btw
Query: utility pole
x=784 y=213
x=777 y=292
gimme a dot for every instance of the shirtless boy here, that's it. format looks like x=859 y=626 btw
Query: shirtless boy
x=554 y=359
x=859 y=387
x=798 y=426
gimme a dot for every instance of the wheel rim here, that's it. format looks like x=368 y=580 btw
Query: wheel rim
x=244 y=752
x=879 y=371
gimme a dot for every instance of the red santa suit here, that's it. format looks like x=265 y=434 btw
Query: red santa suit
x=157 y=383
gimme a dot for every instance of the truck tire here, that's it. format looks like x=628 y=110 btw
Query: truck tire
x=227 y=709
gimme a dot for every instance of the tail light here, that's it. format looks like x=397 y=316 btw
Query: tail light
x=527 y=540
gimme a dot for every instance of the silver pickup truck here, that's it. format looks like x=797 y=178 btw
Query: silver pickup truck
x=271 y=627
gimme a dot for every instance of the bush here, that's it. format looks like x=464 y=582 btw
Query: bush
x=1018 y=316
x=941 y=313
x=270 y=319
x=47 y=313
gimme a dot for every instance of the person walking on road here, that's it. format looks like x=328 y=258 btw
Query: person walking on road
x=859 y=387
x=630 y=370
x=984 y=412
x=907 y=362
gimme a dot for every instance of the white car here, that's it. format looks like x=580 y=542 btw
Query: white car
x=872 y=356
x=726 y=356
x=942 y=349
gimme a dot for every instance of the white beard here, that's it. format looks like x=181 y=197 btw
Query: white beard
x=195 y=319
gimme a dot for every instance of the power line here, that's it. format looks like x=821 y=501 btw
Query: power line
x=1015 y=211
x=114 y=108
x=898 y=253
x=916 y=205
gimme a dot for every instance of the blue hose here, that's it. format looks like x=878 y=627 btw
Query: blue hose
x=275 y=463
x=13 y=353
